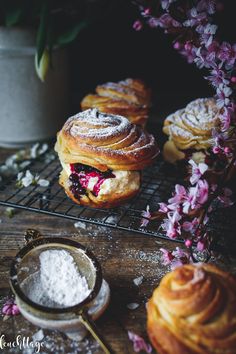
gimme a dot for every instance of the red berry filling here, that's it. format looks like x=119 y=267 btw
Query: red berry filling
x=81 y=175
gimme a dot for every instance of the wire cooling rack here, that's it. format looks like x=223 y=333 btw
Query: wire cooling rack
x=157 y=185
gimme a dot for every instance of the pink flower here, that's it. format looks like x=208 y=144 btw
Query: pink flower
x=206 y=33
x=194 y=18
x=146 y=217
x=10 y=308
x=201 y=245
x=166 y=21
x=227 y=53
x=223 y=93
x=190 y=200
x=139 y=343
x=188 y=243
x=178 y=196
x=167 y=256
x=137 y=26
x=181 y=257
x=217 y=77
x=207 y=5
x=197 y=171
x=190 y=226
x=165 y=4
x=203 y=189
x=171 y=225
x=163 y=208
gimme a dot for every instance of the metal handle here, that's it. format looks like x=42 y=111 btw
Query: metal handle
x=92 y=328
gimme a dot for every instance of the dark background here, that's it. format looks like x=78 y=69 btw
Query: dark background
x=111 y=50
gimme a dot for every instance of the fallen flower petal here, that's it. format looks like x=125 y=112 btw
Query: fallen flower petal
x=146 y=217
x=10 y=308
x=139 y=343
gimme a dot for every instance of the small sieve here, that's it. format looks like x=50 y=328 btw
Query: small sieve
x=72 y=319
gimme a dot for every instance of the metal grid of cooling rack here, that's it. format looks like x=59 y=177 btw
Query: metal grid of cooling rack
x=157 y=184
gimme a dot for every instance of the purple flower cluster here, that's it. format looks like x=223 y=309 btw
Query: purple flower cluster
x=175 y=258
x=186 y=212
x=197 y=42
x=184 y=204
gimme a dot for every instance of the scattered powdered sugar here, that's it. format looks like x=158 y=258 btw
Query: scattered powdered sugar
x=38 y=336
x=61 y=279
x=133 y=306
x=138 y=281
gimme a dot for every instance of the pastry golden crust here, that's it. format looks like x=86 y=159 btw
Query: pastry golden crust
x=101 y=156
x=191 y=127
x=105 y=142
x=129 y=98
x=193 y=311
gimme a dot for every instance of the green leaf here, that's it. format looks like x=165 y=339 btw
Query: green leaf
x=13 y=16
x=70 y=35
x=41 y=40
x=43 y=66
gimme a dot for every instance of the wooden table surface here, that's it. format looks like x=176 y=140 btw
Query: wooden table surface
x=124 y=256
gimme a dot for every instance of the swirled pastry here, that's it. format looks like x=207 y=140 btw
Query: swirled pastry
x=190 y=128
x=129 y=98
x=102 y=155
x=193 y=311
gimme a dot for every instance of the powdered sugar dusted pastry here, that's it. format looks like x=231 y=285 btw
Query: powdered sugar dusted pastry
x=129 y=98
x=190 y=128
x=193 y=311
x=102 y=155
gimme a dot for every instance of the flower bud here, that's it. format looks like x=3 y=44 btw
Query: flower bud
x=216 y=150
x=188 y=243
x=233 y=79
x=147 y=11
x=177 y=45
x=137 y=26
x=227 y=150
x=188 y=46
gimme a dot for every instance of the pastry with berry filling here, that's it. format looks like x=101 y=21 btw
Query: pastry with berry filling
x=102 y=156
x=130 y=98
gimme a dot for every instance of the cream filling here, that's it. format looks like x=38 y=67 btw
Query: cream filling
x=123 y=180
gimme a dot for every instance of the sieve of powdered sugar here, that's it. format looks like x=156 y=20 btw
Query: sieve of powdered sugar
x=58 y=283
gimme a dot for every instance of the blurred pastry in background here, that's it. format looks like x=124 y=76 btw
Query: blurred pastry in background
x=130 y=98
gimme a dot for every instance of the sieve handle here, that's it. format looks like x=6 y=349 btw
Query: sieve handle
x=92 y=328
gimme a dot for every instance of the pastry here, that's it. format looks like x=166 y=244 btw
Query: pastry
x=190 y=128
x=193 y=311
x=129 y=98
x=102 y=156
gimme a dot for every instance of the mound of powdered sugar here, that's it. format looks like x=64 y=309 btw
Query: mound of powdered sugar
x=60 y=278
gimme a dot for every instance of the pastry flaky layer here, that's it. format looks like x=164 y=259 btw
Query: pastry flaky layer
x=192 y=311
x=102 y=155
x=129 y=98
x=190 y=128
x=105 y=141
